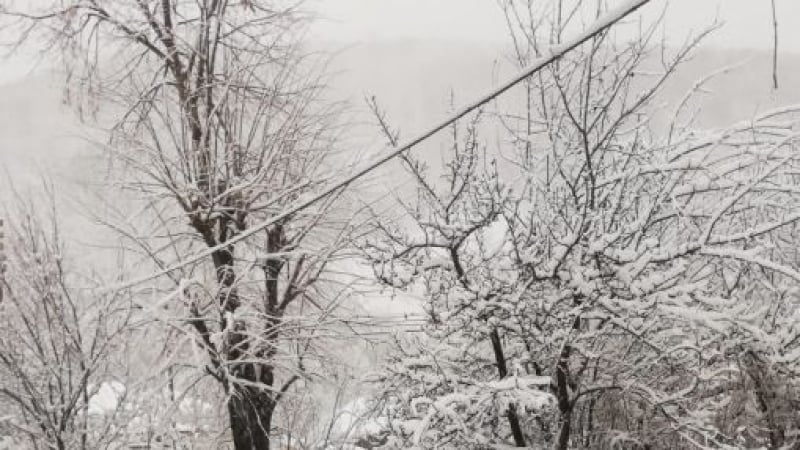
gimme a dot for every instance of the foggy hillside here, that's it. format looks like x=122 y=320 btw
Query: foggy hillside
x=413 y=82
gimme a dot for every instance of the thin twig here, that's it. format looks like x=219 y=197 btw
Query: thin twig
x=774 y=46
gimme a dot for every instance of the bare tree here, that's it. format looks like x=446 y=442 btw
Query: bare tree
x=218 y=123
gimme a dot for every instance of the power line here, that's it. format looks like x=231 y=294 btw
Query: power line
x=555 y=53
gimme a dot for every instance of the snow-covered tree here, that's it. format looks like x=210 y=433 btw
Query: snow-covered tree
x=58 y=339
x=603 y=274
x=217 y=125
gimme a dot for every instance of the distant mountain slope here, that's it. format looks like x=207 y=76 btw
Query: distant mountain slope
x=37 y=131
x=413 y=79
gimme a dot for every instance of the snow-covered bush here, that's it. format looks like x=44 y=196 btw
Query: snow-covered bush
x=594 y=278
x=58 y=336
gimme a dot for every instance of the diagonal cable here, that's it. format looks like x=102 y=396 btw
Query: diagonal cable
x=609 y=19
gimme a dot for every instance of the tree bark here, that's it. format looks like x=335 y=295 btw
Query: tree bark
x=502 y=369
x=250 y=405
x=250 y=411
x=562 y=392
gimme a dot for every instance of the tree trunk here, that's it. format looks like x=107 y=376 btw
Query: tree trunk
x=562 y=392
x=500 y=360
x=564 y=403
x=250 y=414
x=252 y=403
x=564 y=429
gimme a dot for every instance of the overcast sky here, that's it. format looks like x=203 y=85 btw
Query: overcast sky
x=748 y=22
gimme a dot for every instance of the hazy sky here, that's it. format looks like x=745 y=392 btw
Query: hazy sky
x=748 y=22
